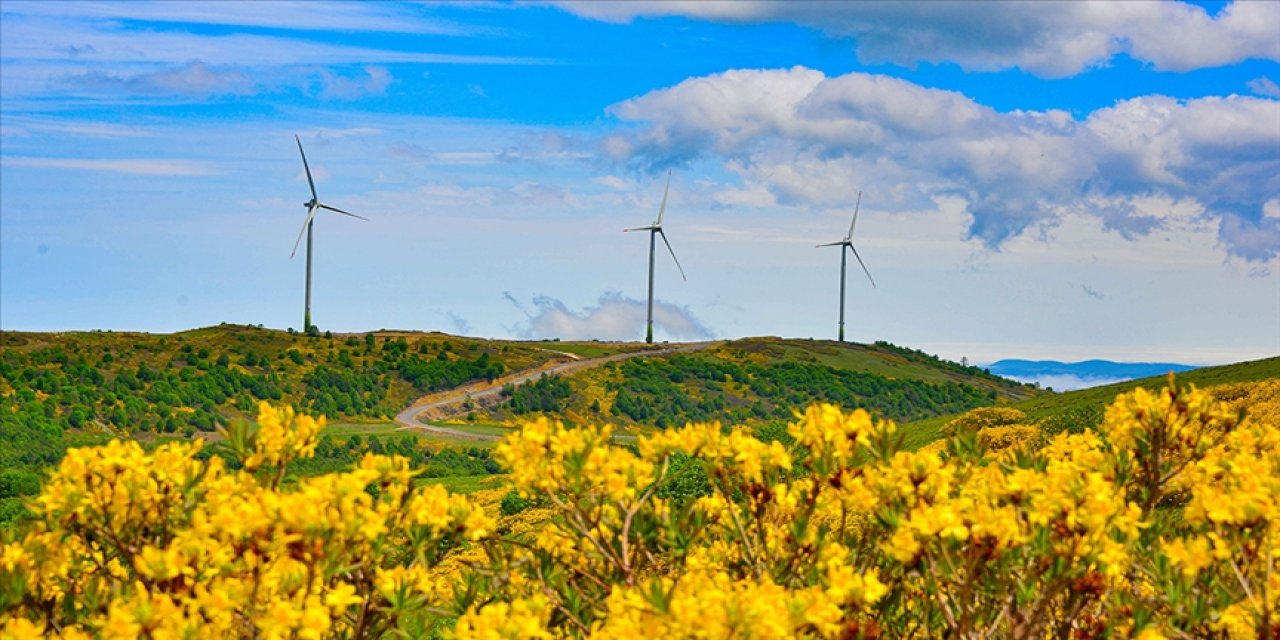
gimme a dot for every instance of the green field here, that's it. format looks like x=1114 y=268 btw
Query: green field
x=467 y=484
x=342 y=429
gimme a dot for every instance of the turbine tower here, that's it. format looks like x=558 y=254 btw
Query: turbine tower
x=848 y=242
x=655 y=229
x=312 y=206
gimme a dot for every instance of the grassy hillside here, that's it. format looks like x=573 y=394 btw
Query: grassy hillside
x=761 y=380
x=62 y=389
x=1077 y=410
x=154 y=382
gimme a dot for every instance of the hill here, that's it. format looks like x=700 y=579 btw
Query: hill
x=62 y=389
x=757 y=380
x=1076 y=410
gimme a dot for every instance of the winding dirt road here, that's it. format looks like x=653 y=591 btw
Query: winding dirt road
x=460 y=401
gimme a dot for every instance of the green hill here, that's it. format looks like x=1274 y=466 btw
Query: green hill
x=63 y=389
x=199 y=378
x=762 y=380
x=1077 y=410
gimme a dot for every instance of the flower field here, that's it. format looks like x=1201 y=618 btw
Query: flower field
x=1161 y=522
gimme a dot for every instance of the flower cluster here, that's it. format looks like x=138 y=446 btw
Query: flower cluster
x=165 y=544
x=1157 y=523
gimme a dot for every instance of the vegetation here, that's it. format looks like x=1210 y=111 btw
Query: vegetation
x=1162 y=522
x=195 y=380
x=63 y=390
x=1075 y=411
x=759 y=380
x=547 y=394
x=678 y=389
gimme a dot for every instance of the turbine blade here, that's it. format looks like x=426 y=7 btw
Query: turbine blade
x=855 y=216
x=829 y=244
x=648 y=228
x=305 y=167
x=311 y=213
x=673 y=254
x=345 y=213
x=864 y=266
x=663 y=209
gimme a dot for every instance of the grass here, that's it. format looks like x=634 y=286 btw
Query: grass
x=467 y=484
x=1090 y=402
x=344 y=429
x=365 y=429
x=479 y=428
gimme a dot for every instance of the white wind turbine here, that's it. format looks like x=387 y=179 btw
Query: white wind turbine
x=312 y=206
x=655 y=229
x=848 y=242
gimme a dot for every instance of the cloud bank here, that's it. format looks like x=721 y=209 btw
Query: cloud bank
x=614 y=317
x=1048 y=39
x=809 y=139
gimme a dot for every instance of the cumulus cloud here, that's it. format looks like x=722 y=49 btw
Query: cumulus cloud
x=809 y=139
x=1048 y=39
x=614 y=317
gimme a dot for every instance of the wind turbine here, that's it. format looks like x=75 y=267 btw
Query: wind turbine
x=655 y=229
x=848 y=242
x=312 y=206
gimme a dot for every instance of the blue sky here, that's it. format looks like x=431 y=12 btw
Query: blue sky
x=1040 y=180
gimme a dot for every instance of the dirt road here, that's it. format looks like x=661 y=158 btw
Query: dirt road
x=460 y=401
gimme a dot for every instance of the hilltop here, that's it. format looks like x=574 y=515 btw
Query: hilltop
x=756 y=380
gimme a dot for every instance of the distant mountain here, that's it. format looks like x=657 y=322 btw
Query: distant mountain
x=1077 y=375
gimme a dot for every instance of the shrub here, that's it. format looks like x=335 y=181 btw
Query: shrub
x=976 y=420
x=164 y=544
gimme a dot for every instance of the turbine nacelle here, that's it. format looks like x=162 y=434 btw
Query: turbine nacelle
x=314 y=203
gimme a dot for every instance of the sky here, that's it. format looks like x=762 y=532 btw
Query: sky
x=1039 y=180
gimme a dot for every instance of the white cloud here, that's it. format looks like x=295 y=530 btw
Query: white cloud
x=1264 y=86
x=615 y=317
x=1048 y=39
x=137 y=166
x=615 y=183
x=812 y=140
x=26 y=125
x=194 y=78
x=311 y=16
x=80 y=43
x=1066 y=382
x=338 y=87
